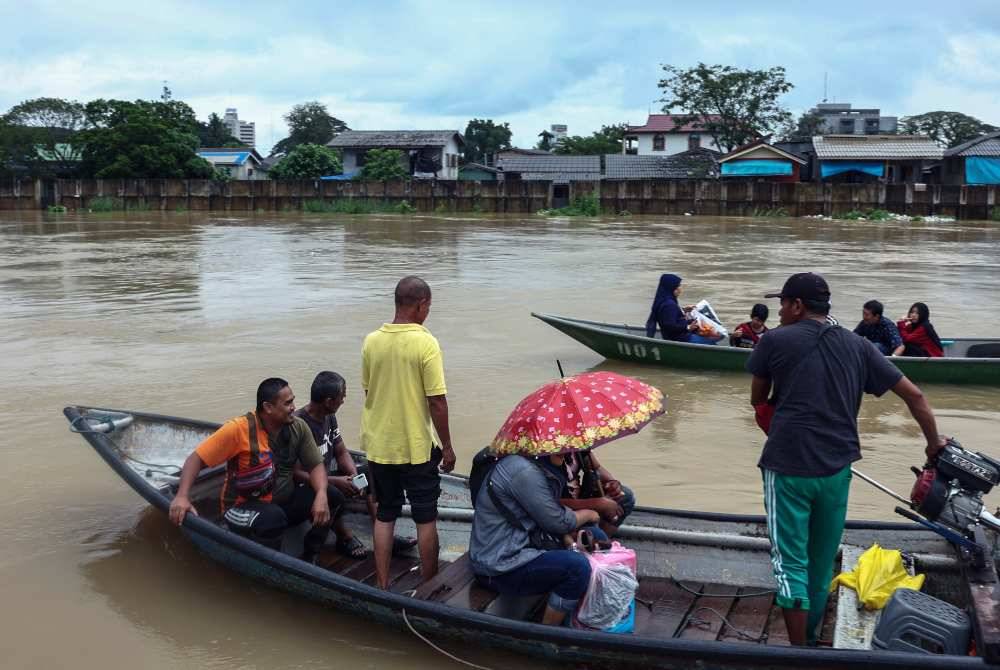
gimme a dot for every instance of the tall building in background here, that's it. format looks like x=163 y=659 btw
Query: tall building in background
x=559 y=132
x=244 y=131
x=839 y=118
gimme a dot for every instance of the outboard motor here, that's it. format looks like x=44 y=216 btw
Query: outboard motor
x=950 y=489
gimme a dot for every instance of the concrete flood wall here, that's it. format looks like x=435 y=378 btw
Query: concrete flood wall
x=702 y=197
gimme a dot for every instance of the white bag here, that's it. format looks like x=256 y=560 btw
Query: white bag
x=609 y=596
x=708 y=319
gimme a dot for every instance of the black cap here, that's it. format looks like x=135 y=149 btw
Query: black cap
x=804 y=286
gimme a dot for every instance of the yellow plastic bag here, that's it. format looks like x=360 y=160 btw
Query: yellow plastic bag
x=878 y=574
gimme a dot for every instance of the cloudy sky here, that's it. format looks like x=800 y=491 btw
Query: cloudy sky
x=430 y=65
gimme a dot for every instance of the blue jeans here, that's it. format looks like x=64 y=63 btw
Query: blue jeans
x=627 y=503
x=561 y=573
x=883 y=347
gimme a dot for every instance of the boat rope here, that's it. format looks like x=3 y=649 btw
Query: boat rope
x=437 y=648
x=704 y=623
x=737 y=596
x=160 y=468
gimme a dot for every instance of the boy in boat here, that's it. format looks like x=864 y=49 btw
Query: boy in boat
x=260 y=497
x=589 y=485
x=747 y=335
x=879 y=330
x=326 y=395
x=819 y=373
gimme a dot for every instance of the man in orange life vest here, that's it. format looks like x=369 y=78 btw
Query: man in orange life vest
x=261 y=497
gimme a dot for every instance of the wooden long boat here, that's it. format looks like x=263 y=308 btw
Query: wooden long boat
x=694 y=569
x=965 y=361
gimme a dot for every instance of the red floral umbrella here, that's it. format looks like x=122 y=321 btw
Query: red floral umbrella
x=578 y=413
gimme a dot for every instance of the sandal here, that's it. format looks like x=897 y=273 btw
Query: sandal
x=352 y=548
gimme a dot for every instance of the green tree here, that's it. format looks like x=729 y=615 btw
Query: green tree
x=483 y=137
x=384 y=165
x=39 y=135
x=808 y=125
x=949 y=129
x=607 y=140
x=215 y=133
x=141 y=139
x=736 y=106
x=545 y=143
x=309 y=123
x=307 y=161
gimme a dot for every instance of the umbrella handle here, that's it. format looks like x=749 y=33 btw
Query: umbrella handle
x=562 y=375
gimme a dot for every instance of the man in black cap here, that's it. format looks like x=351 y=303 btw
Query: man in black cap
x=818 y=373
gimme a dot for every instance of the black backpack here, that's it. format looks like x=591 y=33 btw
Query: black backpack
x=482 y=466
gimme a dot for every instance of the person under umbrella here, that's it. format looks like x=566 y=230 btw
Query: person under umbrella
x=518 y=544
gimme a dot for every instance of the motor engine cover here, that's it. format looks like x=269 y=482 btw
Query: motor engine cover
x=974 y=472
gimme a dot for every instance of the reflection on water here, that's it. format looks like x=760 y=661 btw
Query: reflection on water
x=184 y=314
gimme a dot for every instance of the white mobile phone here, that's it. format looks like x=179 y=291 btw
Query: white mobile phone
x=360 y=481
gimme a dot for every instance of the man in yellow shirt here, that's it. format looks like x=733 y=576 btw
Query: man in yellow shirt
x=404 y=425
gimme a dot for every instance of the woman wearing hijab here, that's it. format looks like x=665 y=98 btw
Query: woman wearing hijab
x=666 y=313
x=919 y=336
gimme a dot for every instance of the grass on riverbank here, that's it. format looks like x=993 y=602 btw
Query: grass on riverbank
x=867 y=215
x=107 y=203
x=583 y=205
x=357 y=206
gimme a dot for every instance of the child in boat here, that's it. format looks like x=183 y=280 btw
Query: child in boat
x=747 y=335
x=919 y=336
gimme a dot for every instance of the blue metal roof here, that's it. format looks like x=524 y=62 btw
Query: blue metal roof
x=225 y=157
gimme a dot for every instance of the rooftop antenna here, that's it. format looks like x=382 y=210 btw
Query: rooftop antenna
x=824 y=85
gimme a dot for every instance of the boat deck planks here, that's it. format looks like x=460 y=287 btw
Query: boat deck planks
x=473 y=596
x=361 y=570
x=777 y=634
x=670 y=607
x=748 y=616
x=449 y=580
x=705 y=622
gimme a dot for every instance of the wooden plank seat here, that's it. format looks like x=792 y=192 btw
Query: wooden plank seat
x=449 y=580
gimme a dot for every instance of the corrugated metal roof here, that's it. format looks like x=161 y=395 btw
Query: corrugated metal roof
x=671 y=123
x=552 y=167
x=984 y=145
x=876 y=147
x=394 y=139
x=225 y=157
x=687 y=165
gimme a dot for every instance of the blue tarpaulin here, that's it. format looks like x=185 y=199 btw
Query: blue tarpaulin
x=828 y=169
x=756 y=167
x=982 y=170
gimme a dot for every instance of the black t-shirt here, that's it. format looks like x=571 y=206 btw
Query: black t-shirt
x=817 y=387
x=326 y=433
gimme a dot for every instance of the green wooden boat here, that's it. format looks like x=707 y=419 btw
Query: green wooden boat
x=965 y=361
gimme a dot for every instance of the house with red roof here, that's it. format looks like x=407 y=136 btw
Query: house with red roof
x=667 y=134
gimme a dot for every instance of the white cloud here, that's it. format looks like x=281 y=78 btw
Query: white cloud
x=965 y=79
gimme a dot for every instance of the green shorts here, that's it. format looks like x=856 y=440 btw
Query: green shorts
x=805 y=522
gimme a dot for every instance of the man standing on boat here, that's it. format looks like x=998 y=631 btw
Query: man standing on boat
x=404 y=425
x=260 y=497
x=818 y=373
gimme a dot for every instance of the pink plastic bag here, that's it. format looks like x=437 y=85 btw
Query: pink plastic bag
x=611 y=592
x=616 y=555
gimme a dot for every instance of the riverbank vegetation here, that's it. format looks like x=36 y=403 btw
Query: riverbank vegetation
x=357 y=206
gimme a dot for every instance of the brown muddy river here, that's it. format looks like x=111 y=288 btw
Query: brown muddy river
x=184 y=314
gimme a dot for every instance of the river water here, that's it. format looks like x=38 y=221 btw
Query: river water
x=184 y=314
